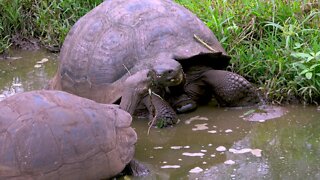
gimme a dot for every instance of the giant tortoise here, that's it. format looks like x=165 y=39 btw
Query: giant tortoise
x=121 y=37
x=57 y=135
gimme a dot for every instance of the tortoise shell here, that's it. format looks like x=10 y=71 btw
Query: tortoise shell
x=56 y=135
x=121 y=37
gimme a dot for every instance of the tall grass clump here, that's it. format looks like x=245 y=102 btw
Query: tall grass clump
x=44 y=20
x=274 y=43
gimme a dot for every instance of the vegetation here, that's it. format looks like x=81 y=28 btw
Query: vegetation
x=48 y=21
x=274 y=43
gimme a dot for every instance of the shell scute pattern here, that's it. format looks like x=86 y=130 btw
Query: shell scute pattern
x=119 y=38
x=60 y=135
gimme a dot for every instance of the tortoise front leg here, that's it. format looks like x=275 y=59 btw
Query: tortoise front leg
x=230 y=89
x=135 y=89
x=160 y=112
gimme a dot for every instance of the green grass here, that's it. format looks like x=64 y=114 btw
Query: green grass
x=274 y=44
x=48 y=21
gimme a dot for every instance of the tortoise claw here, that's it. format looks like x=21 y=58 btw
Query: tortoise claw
x=186 y=108
x=183 y=104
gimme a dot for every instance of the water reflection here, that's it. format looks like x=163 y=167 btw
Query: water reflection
x=12 y=89
x=19 y=72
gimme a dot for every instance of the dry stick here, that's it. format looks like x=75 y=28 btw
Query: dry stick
x=204 y=43
x=126 y=69
x=154 y=112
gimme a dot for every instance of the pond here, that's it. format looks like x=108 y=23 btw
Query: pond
x=210 y=143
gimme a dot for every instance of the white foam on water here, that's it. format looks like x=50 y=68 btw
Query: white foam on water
x=170 y=167
x=240 y=151
x=256 y=152
x=193 y=154
x=196 y=118
x=212 y=131
x=176 y=147
x=229 y=162
x=200 y=127
x=196 y=170
x=37 y=66
x=16 y=84
x=221 y=148
x=43 y=61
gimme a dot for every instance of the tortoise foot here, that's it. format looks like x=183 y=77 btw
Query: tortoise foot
x=191 y=106
x=164 y=118
x=165 y=121
x=161 y=113
x=183 y=104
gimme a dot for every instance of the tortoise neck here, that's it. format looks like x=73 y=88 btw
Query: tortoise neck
x=196 y=71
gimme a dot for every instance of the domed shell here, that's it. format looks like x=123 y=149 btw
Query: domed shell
x=56 y=135
x=121 y=37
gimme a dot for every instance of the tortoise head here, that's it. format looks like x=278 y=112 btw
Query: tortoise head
x=168 y=73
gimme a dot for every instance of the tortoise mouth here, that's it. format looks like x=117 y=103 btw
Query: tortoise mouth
x=171 y=78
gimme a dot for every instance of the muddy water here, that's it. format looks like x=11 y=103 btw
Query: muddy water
x=25 y=71
x=210 y=143
x=289 y=146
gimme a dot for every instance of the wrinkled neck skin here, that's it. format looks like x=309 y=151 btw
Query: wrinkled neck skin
x=195 y=72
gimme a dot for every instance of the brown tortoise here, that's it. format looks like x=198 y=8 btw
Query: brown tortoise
x=121 y=37
x=57 y=135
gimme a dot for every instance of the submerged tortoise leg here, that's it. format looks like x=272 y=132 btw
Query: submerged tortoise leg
x=182 y=103
x=230 y=89
x=159 y=109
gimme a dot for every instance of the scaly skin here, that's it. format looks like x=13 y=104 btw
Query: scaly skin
x=161 y=110
x=230 y=89
x=203 y=82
